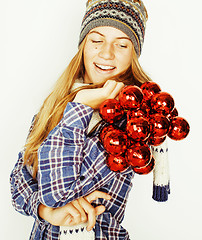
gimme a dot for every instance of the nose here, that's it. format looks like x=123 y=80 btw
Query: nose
x=106 y=51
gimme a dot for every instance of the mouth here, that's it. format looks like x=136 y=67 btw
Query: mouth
x=106 y=68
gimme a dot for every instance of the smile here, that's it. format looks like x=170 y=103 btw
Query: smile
x=104 y=67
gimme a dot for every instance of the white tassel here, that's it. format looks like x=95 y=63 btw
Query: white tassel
x=161 y=177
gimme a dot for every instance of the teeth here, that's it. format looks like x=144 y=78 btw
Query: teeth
x=104 y=67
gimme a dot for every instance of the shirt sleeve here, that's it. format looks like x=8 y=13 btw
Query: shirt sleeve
x=24 y=190
x=70 y=164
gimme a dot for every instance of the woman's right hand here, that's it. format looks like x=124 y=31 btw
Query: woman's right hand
x=75 y=212
x=96 y=96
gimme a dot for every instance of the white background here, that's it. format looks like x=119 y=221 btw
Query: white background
x=39 y=39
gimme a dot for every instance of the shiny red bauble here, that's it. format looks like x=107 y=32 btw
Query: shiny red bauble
x=131 y=142
x=147 y=169
x=147 y=109
x=138 y=156
x=131 y=97
x=162 y=103
x=138 y=128
x=159 y=125
x=111 y=110
x=179 y=128
x=116 y=163
x=105 y=130
x=149 y=89
x=174 y=113
x=136 y=113
x=155 y=141
x=115 y=142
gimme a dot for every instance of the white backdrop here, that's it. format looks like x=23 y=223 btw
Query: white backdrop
x=39 y=39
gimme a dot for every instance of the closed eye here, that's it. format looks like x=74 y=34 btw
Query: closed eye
x=94 y=41
x=123 y=46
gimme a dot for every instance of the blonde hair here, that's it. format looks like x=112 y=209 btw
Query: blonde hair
x=54 y=105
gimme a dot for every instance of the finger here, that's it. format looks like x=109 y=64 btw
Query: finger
x=81 y=210
x=75 y=213
x=68 y=220
x=109 y=87
x=108 y=82
x=97 y=194
x=99 y=210
x=90 y=210
x=119 y=86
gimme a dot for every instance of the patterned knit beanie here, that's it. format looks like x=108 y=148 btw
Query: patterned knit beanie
x=129 y=16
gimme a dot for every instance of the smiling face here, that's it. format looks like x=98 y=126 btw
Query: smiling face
x=107 y=52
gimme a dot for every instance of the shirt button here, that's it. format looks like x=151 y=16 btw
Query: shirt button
x=82 y=178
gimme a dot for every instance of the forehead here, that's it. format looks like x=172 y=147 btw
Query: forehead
x=109 y=32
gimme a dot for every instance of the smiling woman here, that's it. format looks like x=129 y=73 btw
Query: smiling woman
x=62 y=168
x=107 y=52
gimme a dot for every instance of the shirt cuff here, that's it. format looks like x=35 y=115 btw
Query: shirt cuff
x=33 y=208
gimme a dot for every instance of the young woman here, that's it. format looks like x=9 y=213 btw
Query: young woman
x=61 y=177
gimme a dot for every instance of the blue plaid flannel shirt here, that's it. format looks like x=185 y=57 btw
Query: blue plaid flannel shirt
x=72 y=165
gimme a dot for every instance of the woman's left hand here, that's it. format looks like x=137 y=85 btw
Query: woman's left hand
x=75 y=212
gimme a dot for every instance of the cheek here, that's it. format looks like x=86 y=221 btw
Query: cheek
x=125 y=60
x=88 y=55
x=87 y=60
x=85 y=56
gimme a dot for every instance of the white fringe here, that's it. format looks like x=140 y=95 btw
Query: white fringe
x=76 y=232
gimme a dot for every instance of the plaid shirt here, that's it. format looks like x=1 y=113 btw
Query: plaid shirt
x=72 y=165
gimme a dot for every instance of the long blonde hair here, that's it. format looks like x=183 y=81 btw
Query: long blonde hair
x=54 y=105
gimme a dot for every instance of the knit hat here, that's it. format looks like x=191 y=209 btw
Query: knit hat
x=129 y=16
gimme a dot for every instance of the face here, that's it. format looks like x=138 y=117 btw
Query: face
x=107 y=52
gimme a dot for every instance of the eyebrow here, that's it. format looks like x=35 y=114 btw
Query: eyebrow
x=104 y=35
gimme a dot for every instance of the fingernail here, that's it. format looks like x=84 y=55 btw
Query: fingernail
x=83 y=219
x=89 y=229
x=109 y=197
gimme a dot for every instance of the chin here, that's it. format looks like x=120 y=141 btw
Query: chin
x=97 y=80
x=102 y=81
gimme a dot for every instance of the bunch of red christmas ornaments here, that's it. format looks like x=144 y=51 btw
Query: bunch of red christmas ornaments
x=151 y=117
